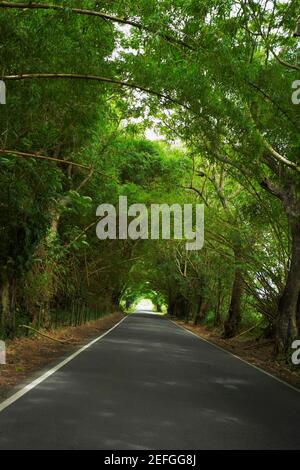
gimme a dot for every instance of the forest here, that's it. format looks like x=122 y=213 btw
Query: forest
x=183 y=101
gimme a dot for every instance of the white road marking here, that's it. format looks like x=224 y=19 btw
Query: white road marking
x=54 y=369
x=237 y=357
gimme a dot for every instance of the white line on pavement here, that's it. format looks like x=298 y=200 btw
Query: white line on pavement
x=237 y=357
x=51 y=371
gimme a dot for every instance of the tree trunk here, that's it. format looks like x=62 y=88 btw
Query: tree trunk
x=298 y=313
x=201 y=311
x=180 y=307
x=115 y=300
x=187 y=310
x=171 y=308
x=233 y=320
x=5 y=303
x=196 y=315
x=270 y=331
x=8 y=304
x=286 y=324
x=217 y=318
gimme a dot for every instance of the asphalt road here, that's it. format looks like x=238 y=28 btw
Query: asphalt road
x=149 y=384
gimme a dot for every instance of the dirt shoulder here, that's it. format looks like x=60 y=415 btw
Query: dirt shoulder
x=256 y=352
x=26 y=356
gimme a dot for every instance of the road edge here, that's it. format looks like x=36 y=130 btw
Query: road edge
x=15 y=396
x=237 y=357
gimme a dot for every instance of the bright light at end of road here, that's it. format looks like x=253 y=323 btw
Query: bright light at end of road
x=145 y=304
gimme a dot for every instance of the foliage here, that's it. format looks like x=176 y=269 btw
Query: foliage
x=215 y=78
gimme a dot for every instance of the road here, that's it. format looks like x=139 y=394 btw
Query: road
x=150 y=384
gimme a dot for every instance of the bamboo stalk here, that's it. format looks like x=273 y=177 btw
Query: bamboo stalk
x=16 y=153
x=43 y=334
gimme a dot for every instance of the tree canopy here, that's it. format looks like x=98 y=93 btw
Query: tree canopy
x=86 y=82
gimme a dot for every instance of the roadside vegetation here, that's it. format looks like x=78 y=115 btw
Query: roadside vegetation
x=87 y=85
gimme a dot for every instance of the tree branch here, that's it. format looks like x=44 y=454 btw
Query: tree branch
x=272 y=189
x=85 y=180
x=280 y=158
x=271 y=100
x=197 y=191
x=30 y=76
x=43 y=334
x=276 y=155
x=18 y=154
x=104 y=16
x=283 y=62
x=86 y=229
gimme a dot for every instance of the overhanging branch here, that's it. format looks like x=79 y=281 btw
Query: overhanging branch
x=92 y=170
x=75 y=76
x=280 y=158
x=272 y=189
x=15 y=153
x=104 y=16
